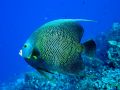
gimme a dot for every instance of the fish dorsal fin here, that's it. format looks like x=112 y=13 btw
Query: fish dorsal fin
x=76 y=20
x=72 y=25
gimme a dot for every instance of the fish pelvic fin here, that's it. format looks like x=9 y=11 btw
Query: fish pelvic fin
x=89 y=48
x=47 y=76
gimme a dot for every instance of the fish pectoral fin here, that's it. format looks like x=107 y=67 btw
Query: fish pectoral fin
x=35 y=57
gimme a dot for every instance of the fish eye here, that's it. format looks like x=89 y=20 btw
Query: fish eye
x=25 y=46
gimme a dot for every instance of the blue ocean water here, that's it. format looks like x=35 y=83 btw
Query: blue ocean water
x=19 y=18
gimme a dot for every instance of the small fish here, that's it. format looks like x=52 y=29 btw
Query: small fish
x=114 y=43
x=56 y=47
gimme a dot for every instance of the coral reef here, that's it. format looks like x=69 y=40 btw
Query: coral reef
x=107 y=80
x=101 y=72
x=110 y=80
x=35 y=81
x=114 y=45
x=109 y=46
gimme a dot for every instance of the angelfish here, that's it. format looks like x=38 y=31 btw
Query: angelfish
x=56 y=47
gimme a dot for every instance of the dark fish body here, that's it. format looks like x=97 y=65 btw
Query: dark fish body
x=55 y=47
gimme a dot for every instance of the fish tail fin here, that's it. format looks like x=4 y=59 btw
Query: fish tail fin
x=89 y=48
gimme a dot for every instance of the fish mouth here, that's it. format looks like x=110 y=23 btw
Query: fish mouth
x=20 y=52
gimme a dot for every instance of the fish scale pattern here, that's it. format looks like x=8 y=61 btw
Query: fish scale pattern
x=58 y=49
x=59 y=44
